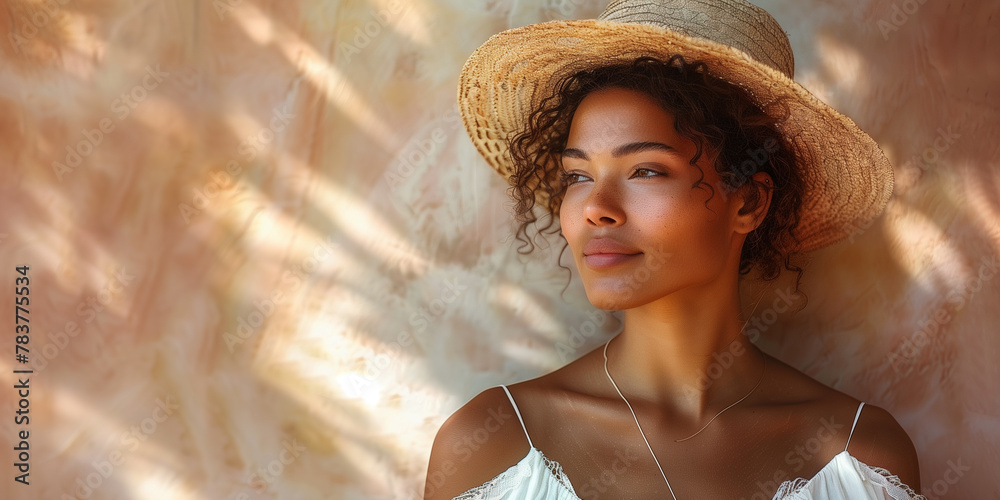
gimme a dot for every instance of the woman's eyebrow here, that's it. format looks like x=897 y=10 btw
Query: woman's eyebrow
x=636 y=147
x=623 y=150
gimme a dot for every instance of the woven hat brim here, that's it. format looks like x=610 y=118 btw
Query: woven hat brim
x=848 y=182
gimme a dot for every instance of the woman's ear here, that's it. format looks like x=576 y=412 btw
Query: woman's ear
x=753 y=200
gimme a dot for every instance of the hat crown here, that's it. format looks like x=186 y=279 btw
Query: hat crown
x=736 y=23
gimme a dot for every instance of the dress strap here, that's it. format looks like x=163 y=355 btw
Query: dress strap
x=518 y=412
x=856 y=415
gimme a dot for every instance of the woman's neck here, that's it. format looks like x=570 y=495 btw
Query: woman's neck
x=686 y=355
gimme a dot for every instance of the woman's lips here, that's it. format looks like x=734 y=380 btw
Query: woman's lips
x=608 y=246
x=606 y=260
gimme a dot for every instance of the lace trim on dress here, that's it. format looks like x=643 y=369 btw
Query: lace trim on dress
x=885 y=475
x=491 y=487
x=511 y=478
x=893 y=486
x=556 y=469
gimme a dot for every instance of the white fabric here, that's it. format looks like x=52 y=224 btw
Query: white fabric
x=842 y=478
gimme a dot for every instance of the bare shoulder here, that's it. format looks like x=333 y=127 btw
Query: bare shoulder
x=479 y=441
x=879 y=441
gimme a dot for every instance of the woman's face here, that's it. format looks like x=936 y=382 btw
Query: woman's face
x=637 y=229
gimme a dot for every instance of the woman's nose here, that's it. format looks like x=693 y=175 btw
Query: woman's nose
x=603 y=205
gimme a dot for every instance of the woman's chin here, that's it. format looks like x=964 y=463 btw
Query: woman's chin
x=613 y=300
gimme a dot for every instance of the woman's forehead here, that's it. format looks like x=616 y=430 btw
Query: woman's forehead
x=608 y=119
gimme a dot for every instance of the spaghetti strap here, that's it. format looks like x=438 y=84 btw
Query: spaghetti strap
x=518 y=412
x=856 y=415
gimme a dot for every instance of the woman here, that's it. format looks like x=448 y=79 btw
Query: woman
x=678 y=155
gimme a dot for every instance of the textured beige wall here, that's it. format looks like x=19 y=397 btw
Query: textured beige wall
x=270 y=263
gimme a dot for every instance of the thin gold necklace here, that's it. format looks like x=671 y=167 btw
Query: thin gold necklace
x=676 y=440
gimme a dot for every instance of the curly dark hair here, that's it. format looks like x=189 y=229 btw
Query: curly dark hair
x=712 y=113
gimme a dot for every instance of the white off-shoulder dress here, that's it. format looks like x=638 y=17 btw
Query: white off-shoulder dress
x=842 y=478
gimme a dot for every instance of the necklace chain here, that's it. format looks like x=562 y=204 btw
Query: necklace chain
x=759 y=380
x=676 y=440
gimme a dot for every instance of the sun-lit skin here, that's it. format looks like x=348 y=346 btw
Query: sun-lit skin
x=680 y=294
x=675 y=276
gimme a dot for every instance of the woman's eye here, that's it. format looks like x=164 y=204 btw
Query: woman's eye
x=568 y=178
x=645 y=172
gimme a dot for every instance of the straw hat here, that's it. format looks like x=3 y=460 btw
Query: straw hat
x=848 y=180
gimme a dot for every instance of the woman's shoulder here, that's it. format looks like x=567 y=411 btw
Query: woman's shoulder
x=876 y=438
x=477 y=442
x=880 y=441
